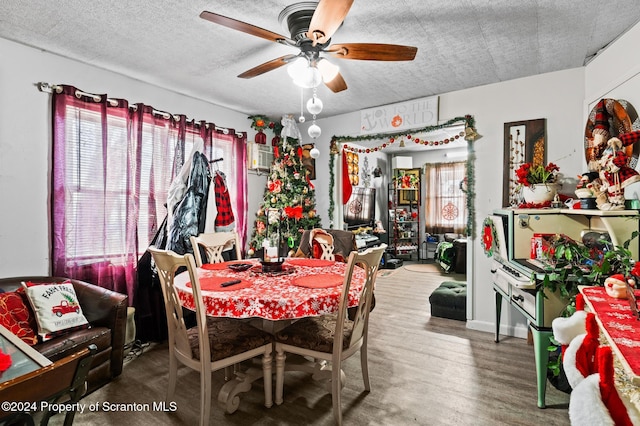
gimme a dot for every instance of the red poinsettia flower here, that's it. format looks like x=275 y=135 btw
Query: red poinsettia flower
x=487 y=238
x=260 y=122
x=529 y=174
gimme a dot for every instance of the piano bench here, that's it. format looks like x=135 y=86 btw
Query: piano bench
x=450 y=301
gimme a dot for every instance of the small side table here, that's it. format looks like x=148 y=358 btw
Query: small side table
x=32 y=379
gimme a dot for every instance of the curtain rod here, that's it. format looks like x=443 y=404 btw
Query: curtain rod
x=50 y=88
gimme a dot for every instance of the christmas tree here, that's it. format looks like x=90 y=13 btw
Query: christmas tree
x=288 y=205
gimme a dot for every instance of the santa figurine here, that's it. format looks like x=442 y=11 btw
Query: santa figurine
x=614 y=170
x=600 y=135
x=608 y=156
x=616 y=287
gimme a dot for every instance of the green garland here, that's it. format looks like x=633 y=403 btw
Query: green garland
x=468 y=120
x=470 y=136
x=471 y=193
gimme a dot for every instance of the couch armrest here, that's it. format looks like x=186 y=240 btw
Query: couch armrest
x=105 y=308
x=101 y=307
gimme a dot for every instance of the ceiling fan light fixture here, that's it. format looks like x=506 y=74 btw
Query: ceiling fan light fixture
x=297 y=68
x=311 y=78
x=328 y=70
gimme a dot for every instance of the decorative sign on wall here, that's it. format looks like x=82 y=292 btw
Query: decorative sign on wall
x=403 y=115
x=524 y=142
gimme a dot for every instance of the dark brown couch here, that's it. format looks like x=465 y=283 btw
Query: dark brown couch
x=106 y=311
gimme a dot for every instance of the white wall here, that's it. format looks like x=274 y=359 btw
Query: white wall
x=25 y=142
x=615 y=73
x=558 y=97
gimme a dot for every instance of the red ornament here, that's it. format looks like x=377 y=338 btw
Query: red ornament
x=261 y=138
x=392 y=140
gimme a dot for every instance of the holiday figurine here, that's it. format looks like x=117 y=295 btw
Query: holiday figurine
x=616 y=287
x=608 y=157
x=616 y=174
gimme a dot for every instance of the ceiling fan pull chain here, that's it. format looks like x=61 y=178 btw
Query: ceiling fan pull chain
x=301 y=119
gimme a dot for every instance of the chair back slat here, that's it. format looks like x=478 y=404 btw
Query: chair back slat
x=167 y=264
x=214 y=244
x=369 y=261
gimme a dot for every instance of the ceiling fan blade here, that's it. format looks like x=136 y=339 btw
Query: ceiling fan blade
x=243 y=27
x=327 y=19
x=373 y=51
x=337 y=84
x=267 y=66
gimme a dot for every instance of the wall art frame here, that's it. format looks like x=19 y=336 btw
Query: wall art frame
x=308 y=161
x=524 y=142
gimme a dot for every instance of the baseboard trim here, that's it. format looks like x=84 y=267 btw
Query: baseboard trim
x=489 y=327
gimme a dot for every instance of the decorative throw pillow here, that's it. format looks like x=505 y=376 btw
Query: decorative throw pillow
x=321 y=245
x=17 y=317
x=56 y=308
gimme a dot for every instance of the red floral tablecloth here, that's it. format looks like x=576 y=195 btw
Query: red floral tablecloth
x=272 y=296
x=620 y=326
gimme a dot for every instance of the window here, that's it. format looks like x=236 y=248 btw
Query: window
x=97 y=182
x=445 y=207
x=112 y=169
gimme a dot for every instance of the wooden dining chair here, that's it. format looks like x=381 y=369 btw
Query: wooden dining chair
x=226 y=341
x=344 y=242
x=334 y=338
x=214 y=244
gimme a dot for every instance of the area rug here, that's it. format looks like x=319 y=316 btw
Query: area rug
x=386 y=272
x=423 y=267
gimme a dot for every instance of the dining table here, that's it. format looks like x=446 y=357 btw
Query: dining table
x=267 y=299
x=303 y=288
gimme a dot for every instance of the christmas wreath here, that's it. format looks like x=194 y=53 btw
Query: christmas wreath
x=489 y=237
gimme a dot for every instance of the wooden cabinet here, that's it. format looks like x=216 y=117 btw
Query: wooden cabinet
x=404 y=213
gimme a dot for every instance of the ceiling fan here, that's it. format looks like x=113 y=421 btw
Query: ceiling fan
x=312 y=24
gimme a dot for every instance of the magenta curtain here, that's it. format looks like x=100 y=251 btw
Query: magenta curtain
x=89 y=181
x=112 y=167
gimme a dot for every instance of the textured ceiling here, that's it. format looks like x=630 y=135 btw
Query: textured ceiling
x=461 y=44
